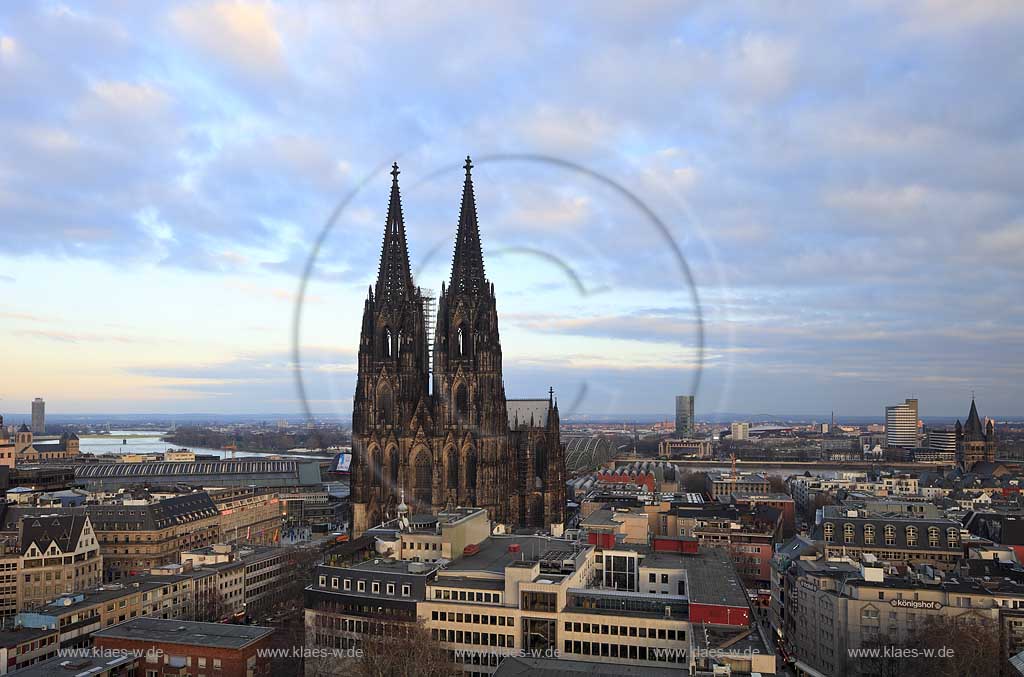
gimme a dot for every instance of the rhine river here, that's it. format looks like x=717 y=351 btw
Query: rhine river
x=149 y=442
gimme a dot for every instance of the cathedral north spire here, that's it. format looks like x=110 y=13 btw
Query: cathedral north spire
x=468 y=262
x=394 y=279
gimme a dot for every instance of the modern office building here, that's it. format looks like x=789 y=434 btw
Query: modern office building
x=38 y=416
x=901 y=424
x=941 y=439
x=638 y=606
x=740 y=431
x=684 y=414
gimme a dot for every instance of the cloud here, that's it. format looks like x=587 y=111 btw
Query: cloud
x=834 y=196
x=243 y=35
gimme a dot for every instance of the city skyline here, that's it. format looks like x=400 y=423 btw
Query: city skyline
x=854 y=237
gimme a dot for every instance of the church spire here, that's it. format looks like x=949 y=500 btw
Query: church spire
x=468 y=263
x=973 y=425
x=394 y=279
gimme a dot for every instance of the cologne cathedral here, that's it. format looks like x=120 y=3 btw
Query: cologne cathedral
x=430 y=420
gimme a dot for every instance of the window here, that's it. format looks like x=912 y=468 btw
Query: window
x=912 y=537
x=375 y=587
x=933 y=537
x=651 y=578
x=406 y=590
x=461 y=400
x=829 y=532
x=346 y=584
x=848 y=533
x=869 y=534
x=361 y=586
x=323 y=581
x=334 y=582
x=890 y=534
x=391 y=589
x=952 y=536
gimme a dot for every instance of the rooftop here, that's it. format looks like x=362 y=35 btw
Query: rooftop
x=170 y=631
x=396 y=566
x=11 y=638
x=75 y=667
x=494 y=553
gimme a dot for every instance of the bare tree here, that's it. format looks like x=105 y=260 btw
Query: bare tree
x=943 y=646
x=412 y=652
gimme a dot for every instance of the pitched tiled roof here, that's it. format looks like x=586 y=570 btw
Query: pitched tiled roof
x=43 y=529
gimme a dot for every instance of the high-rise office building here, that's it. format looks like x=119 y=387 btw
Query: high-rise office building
x=740 y=431
x=942 y=439
x=684 y=414
x=38 y=416
x=901 y=425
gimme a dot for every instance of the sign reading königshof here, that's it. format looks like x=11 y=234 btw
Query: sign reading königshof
x=916 y=604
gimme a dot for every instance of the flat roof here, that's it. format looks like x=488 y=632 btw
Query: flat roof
x=710 y=575
x=494 y=555
x=466 y=582
x=74 y=666
x=9 y=638
x=160 y=630
x=395 y=566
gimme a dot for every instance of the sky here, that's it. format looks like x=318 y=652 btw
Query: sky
x=842 y=182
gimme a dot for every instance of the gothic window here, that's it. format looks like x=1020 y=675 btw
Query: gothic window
x=453 y=469
x=387 y=342
x=385 y=405
x=462 y=341
x=461 y=400
x=471 y=474
x=398 y=350
x=540 y=463
x=375 y=468
x=423 y=479
x=393 y=467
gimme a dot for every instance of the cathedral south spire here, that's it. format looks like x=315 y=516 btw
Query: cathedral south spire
x=394 y=279
x=468 y=262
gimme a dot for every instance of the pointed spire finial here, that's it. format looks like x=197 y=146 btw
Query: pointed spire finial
x=394 y=278
x=468 y=263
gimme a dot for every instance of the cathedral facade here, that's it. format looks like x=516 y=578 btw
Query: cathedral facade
x=430 y=420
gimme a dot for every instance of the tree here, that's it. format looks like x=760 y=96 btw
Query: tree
x=412 y=652
x=777 y=485
x=958 y=645
x=694 y=482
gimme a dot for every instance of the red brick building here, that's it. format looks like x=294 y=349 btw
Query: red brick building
x=173 y=647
